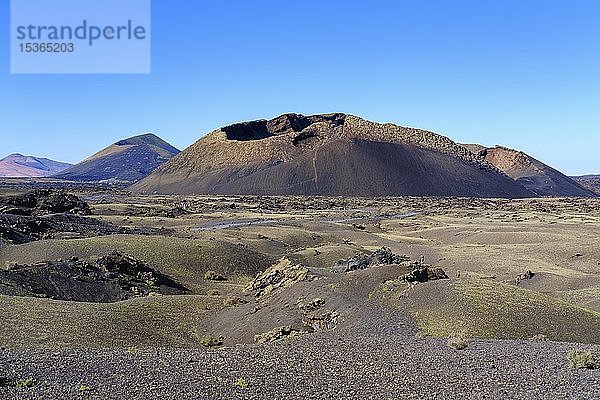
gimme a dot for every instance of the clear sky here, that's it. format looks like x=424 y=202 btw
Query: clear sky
x=525 y=74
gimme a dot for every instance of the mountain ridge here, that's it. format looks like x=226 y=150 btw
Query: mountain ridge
x=17 y=165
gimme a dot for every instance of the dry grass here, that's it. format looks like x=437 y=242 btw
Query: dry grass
x=489 y=309
x=186 y=260
x=163 y=321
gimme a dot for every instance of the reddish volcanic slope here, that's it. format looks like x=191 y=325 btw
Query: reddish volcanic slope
x=533 y=174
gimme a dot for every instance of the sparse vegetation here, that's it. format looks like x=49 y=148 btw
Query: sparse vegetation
x=213 y=276
x=581 y=359
x=157 y=321
x=334 y=287
x=540 y=338
x=24 y=383
x=241 y=383
x=85 y=388
x=495 y=310
x=233 y=301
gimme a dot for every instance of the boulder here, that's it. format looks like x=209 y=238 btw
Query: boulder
x=276 y=334
x=424 y=273
x=523 y=277
x=364 y=261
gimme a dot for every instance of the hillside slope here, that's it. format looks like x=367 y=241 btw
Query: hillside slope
x=127 y=160
x=590 y=182
x=331 y=154
x=533 y=174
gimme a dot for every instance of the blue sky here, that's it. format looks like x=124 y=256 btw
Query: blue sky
x=525 y=74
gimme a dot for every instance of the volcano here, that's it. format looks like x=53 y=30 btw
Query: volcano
x=330 y=155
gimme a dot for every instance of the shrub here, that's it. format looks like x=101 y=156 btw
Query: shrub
x=458 y=341
x=241 y=383
x=210 y=341
x=581 y=359
x=24 y=383
x=232 y=301
x=85 y=388
x=213 y=276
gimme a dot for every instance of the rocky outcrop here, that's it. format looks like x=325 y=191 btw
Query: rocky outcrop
x=48 y=213
x=276 y=334
x=420 y=272
x=523 y=277
x=111 y=278
x=278 y=276
x=44 y=201
x=310 y=306
x=424 y=273
x=19 y=229
x=364 y=261
x=325 y=321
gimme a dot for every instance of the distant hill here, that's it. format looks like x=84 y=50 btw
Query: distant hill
x=331 y=154
x=20 y=166
x=127 y=160
x=590 y=182
x=531 y=173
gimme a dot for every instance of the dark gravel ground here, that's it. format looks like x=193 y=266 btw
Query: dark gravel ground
x=318 y=366
x=374 y=354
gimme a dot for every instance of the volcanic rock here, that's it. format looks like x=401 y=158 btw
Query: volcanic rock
x=323 y=322
x=424 y=273
x=276 y=334
x=278 y=276
x=19 y=229
x=523 y=277
x=112 y=278
x=364 y=261
x=44 y=201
